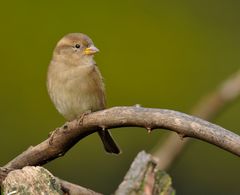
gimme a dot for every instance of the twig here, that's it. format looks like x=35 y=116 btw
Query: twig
x=208 y=108
x=69 y=134
x=73 y=189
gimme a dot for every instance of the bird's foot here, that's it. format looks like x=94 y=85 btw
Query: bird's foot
x=80 y=120
x=51 y=136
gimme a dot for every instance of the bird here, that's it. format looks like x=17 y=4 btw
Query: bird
x=75 y=84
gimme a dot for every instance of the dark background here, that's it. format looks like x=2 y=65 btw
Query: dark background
x=164 y=54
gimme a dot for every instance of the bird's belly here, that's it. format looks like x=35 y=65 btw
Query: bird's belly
x=74 y=98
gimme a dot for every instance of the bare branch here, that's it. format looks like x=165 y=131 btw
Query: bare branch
x=144 y=177
x=69 y=134
x=31 y=180
x=73 y=189
x=38 y=180
x=208 y=108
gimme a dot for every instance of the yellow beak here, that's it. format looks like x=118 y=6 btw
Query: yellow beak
x=91 y=50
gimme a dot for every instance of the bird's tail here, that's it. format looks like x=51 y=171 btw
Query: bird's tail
x=108 y=142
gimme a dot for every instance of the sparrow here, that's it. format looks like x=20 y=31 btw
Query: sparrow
x=75 y=84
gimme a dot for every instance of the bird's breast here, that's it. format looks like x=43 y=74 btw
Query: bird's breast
x=77 y=90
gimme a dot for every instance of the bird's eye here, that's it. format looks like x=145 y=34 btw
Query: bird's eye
x=77 y=46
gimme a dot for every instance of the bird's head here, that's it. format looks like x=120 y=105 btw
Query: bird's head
x=76 y=47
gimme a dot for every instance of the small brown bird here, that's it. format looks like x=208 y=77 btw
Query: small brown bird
x=75 y=83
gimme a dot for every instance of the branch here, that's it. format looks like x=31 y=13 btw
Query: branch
x=70 y=133
x=31 y=180
x=144 y=177
x=208 y=108
x=71 y=189
x=38 y=180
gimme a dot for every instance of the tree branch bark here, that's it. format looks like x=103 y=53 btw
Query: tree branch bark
x=73 y=189
x=31 y=180
x=208 y=108
x=38 y=180
x=144 y=177
x=150 y=118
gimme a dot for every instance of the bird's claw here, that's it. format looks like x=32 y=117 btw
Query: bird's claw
x=80 y=120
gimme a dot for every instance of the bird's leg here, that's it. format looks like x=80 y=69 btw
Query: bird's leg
x=80 y=120
x=51 y=136
x=52 y=133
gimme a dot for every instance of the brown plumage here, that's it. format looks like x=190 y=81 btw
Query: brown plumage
x=74 y=82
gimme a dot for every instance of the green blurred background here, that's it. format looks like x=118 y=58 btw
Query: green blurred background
x=164 y=54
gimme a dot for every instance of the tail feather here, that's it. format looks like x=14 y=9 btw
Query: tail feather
x=108 y=142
